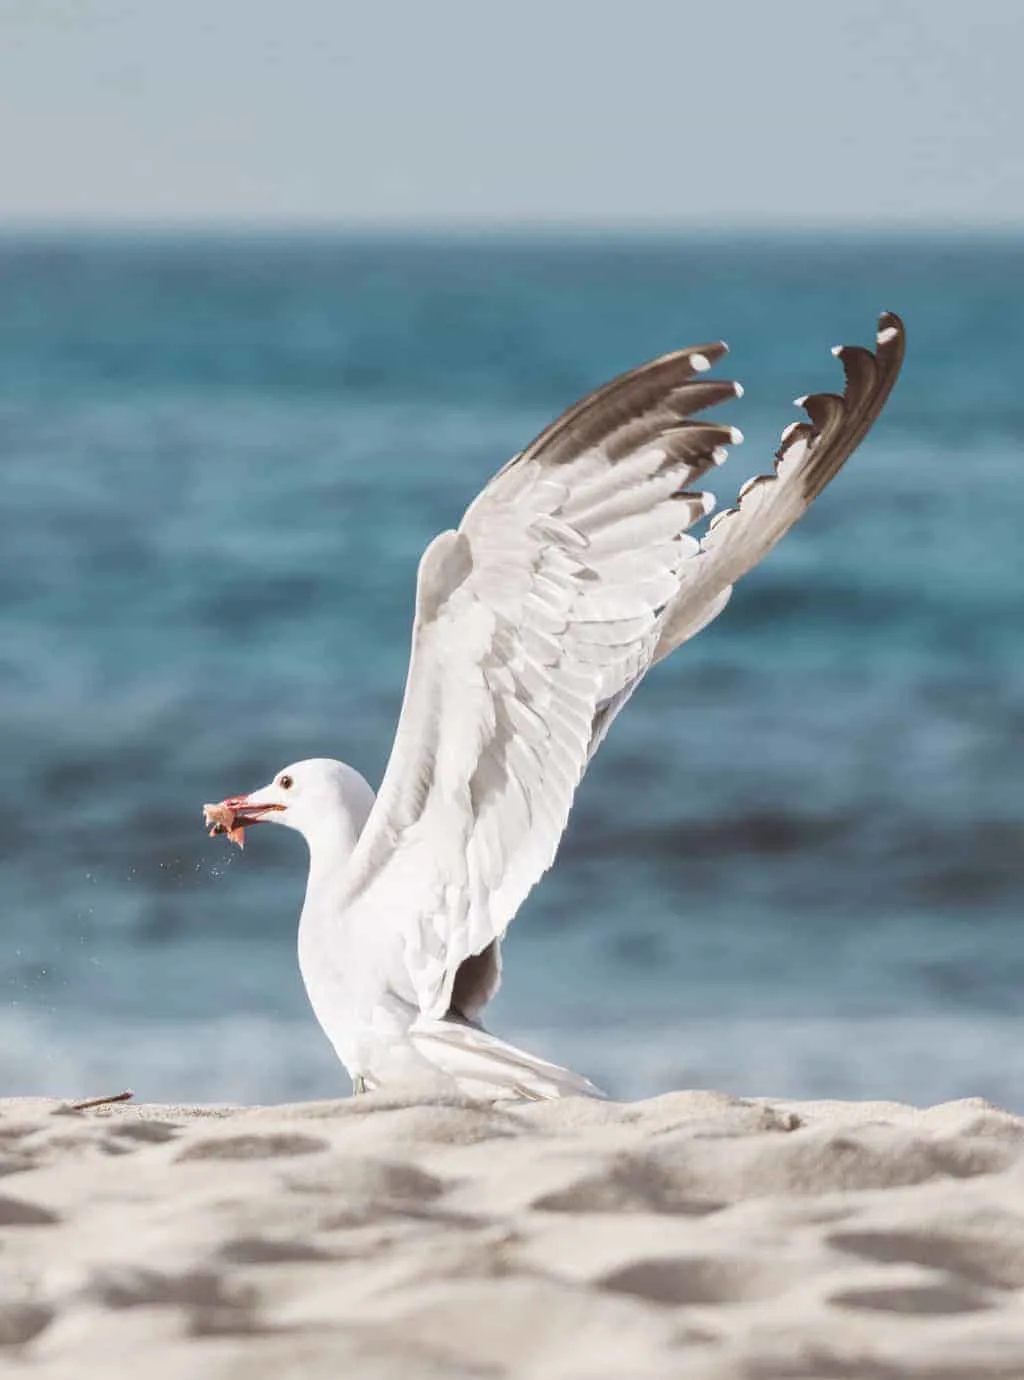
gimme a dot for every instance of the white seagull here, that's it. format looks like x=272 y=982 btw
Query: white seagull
x=568 y=577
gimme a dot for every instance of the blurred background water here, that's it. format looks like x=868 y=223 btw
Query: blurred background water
x=796 y=867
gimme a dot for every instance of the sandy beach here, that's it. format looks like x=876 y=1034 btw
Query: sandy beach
x=691 y=1235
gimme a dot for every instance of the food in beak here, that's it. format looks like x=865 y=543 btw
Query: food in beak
x=234 y=815
x=220 y=819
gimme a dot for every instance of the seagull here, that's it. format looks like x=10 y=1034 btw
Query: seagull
x=569 y=576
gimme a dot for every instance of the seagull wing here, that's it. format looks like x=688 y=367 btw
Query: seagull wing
x=568 y=577
x=540 y=608
x=810 y=454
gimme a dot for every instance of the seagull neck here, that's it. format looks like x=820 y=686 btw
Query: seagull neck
x=331 y=843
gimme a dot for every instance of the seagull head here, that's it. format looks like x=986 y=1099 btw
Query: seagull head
x=318 y=798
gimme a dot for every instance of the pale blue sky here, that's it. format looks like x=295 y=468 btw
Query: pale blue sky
x=465 y=112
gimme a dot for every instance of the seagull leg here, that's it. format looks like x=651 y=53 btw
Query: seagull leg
x=358 y=1085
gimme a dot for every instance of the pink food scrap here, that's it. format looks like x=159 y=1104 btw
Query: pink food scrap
x=220 y=819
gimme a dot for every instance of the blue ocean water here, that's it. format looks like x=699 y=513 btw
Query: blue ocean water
x=797 y=866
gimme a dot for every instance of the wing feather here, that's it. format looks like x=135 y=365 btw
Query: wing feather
x=569 y=575
x=810 y=455
x=544 y=602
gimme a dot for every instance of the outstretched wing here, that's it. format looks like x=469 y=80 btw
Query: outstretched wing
x=569 y=575
x=810 y=455
x=540 y=608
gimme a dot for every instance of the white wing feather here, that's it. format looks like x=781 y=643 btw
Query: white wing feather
x=542 y=605
x=567 y=577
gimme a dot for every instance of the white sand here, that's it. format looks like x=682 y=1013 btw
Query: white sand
x=693 y=1235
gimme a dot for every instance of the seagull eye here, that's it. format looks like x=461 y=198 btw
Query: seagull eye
x=285 y=782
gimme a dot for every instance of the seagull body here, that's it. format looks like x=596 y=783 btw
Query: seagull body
x=570 y=575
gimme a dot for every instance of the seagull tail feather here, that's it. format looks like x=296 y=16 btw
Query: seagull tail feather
x=486 y=1067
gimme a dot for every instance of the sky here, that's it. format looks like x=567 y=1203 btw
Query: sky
x=466 y=113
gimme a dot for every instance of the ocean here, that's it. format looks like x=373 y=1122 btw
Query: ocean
x=796 y=866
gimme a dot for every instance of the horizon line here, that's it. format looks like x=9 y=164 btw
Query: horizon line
x=487 y=228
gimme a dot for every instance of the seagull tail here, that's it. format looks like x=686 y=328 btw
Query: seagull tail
x=486 y=1067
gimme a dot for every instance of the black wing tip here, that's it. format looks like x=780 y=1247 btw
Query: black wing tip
x=839 y=423
x=883 y=364
x=890 y=338
x=677 y=379
x=700 y=358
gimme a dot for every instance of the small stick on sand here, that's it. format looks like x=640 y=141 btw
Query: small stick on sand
x=125 y=1096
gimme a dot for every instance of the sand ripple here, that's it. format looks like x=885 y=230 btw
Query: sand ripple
x=691 y=1235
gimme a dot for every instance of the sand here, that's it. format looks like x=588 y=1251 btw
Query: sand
x=692 y=1235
